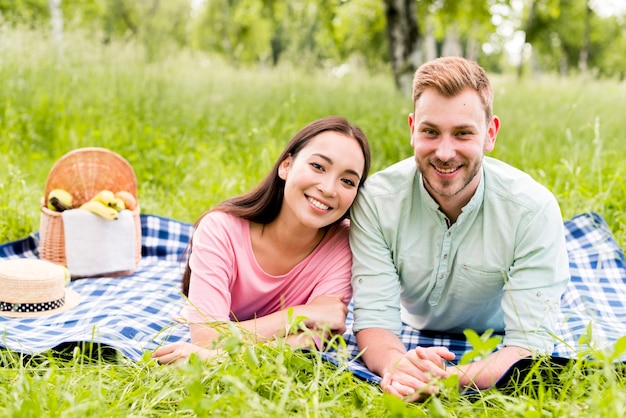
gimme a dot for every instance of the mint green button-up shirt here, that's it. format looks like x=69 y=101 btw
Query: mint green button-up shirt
x=502 y=265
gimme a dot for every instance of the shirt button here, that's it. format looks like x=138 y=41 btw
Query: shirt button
x=441 y=276
x=445 y=256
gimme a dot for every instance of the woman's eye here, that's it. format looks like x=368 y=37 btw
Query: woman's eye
x=317 y=166
x=349 y=182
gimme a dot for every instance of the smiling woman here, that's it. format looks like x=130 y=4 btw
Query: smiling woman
x=280 y=250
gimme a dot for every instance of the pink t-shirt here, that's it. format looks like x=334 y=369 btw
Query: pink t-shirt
x=228 y=284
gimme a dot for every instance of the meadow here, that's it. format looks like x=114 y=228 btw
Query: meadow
x=196 y=132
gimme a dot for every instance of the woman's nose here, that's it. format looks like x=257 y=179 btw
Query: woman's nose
x=327 y=187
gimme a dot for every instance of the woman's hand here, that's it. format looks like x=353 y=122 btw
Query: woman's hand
x=179 y=352
x=325 y=312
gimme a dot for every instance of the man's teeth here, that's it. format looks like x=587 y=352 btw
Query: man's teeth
x=446 y=170
x=318 y=204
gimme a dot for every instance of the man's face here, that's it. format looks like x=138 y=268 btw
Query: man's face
x=449 y=136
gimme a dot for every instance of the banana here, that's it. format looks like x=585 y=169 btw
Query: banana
x=106 y=197
x=100 y=209
x=118 y=204
x=59 y=200
x=66 y=273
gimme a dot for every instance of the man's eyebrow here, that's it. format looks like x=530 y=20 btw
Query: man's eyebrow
x=330 y=161
x=434 y=125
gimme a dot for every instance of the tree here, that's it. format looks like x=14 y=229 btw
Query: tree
x=403 y=38
x=31 y=13
x=56 y=18
x=451 y=28
x=569 y=36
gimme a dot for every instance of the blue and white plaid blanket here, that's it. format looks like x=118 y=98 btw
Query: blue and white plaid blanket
x=134 y=314
x=131 y=313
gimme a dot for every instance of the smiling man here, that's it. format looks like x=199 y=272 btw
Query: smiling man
x=452 y=240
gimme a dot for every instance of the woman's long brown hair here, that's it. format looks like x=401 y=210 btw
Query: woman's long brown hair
x=263 y=203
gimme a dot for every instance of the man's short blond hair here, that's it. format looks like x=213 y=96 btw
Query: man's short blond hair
x=450 y=75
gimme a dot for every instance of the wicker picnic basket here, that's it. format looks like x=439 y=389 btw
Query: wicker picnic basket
x=83 y=173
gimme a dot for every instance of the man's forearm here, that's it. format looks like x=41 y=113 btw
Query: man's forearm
x=483 y=374
x=381 y=348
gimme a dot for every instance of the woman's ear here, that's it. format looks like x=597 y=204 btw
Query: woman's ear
x=283 y=168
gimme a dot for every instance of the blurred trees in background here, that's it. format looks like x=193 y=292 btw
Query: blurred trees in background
x=562 y=36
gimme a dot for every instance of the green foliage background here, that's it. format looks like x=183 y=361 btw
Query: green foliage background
x=324 y=33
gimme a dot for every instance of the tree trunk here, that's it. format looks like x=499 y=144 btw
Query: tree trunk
x=56 y=18
x=403 y=39
x=583 y=58
x=530 y=21
x=451 y=44
x=430 y=44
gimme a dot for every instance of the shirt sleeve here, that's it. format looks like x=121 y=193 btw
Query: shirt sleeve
x=536 y=281
x=212 y=261
x=375 y=280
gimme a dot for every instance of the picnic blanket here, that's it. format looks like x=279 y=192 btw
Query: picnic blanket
x=134 y=314
x=131 y=313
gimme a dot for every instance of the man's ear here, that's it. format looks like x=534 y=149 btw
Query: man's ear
x=411 y=126
x=492 y=133
x=283 y=168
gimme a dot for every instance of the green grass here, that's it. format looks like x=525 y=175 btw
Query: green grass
x=197 y=132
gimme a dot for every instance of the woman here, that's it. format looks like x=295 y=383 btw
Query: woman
x=280 y=251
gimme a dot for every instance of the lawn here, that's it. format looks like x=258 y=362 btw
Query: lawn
x=196 y=132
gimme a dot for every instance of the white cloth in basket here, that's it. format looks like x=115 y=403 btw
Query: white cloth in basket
x=97 y=246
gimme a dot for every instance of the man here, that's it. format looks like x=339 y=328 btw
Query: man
x=452 y=240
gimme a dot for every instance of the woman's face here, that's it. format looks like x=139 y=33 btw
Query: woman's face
x=322 y=180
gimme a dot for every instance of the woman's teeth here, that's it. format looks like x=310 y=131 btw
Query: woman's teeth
x=318 y=204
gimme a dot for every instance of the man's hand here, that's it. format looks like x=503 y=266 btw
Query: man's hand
x=408 y=375
x=416 y=373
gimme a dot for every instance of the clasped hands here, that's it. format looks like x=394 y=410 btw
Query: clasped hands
x=415 y=374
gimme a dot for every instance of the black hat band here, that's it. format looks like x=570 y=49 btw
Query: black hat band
x=32 y=307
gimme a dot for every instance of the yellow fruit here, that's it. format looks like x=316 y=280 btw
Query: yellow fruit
x=68 y=276
x=59 y=200
x=100 y=209
x=106 y=197
x=118 y=204
x=130 y=202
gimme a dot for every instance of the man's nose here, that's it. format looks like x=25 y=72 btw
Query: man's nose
x=446 y=149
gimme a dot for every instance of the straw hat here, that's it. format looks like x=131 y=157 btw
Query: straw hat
x=31 y=287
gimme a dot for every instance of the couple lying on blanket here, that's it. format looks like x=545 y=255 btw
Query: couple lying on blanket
x=446 y=241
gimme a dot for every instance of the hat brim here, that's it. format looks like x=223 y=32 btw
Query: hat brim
x=72 y=299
